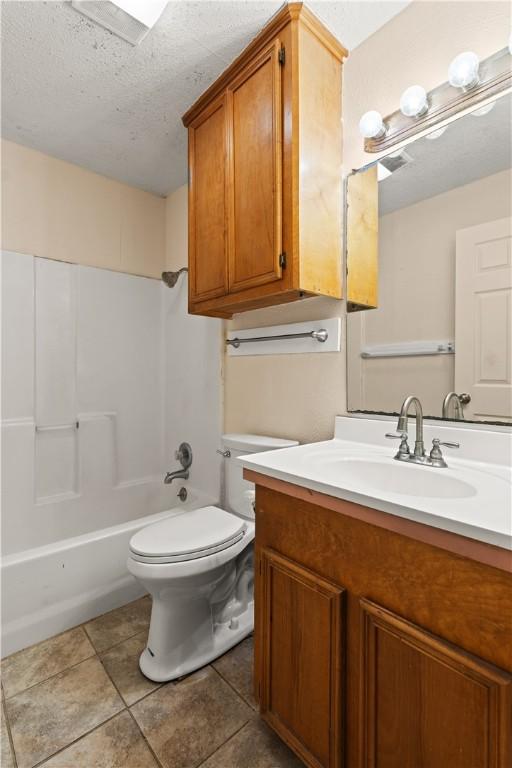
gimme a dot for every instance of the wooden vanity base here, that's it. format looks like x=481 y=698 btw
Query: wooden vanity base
x=376 y=650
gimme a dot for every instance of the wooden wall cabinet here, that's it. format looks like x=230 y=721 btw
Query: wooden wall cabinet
x=362 y=240
x=265 y=173
x=373 y=650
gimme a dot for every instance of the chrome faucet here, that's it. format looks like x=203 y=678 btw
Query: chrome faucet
x=419 y=447
x=178 y=474
x=435 y=458
x=184 y=456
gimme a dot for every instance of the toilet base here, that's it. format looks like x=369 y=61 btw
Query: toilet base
x=224 y=637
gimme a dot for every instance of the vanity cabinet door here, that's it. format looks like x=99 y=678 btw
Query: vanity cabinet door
x=428 y=703
x=208 y=242
x=301 y=659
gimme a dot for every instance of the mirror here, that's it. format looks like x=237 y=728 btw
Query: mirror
x=444 y=318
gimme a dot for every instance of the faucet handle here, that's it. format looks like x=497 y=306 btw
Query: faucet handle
x=436 y=443
x=403 y=450
x=436 y=457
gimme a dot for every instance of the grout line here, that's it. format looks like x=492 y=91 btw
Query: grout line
x=224 y=743
x=159 y=686
x=8 y=729
x=51 y=677
x=71 y=743
x=145 y=739
x=118 y=642
x=251 y=706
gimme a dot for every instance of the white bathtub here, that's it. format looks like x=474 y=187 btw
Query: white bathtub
x=49 y=589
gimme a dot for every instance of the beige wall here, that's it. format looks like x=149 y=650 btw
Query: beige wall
x=60 y=211
x=299 y=395
x=417 y=295
x=176 y=229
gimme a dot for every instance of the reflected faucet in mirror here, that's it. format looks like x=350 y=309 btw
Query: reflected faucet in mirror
x=458 y=402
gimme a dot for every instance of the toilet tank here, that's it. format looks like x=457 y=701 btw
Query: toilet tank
x=239 y=493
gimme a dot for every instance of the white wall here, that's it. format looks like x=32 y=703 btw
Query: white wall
x=118 y=354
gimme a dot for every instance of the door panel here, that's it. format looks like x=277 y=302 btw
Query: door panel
x=483 y=321
x=207 y=217
x=255 y=107
x=301 y=659
x=427 y=703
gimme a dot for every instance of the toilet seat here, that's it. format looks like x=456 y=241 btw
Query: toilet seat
x=191 y=535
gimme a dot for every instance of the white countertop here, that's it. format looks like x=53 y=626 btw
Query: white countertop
x=471 y=497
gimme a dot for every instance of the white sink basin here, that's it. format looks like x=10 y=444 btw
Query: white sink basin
x=471 y=497
x=393 y=477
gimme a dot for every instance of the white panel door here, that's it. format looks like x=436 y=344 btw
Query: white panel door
x=483 y=319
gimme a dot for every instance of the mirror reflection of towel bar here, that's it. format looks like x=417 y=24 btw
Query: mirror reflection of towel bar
x=320 y=335
x=409 y=349
x=54 y=427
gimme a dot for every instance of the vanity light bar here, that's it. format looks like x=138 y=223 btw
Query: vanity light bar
x=469 y=83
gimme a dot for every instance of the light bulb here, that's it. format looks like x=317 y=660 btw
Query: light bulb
x=436 y=134
x=463 y=71
x=413 y=101
x=371 y=125
x=484 y=110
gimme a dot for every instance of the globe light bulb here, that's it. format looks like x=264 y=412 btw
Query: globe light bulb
x=413 y=101
x=463 y=71
x=481 y=111
x=436 y=134
x=371 y=125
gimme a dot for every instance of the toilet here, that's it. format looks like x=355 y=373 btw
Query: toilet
x=198 y=568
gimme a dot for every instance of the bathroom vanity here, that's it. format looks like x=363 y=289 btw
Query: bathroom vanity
x=383 y=627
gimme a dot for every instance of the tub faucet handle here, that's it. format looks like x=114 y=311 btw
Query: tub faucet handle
x=226 y=453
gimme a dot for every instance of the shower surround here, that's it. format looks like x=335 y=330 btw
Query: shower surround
x=103 y=375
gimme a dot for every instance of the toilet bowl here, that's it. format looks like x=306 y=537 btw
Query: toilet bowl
x=198 y=568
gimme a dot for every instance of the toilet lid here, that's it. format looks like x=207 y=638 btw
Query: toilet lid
x=192 y=534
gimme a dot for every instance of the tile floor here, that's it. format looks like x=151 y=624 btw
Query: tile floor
x=78 y=700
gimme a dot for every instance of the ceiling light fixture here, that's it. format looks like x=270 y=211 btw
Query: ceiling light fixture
x=129 y=19
x=463 y=71
x=414 y=101
x=470 y=86
x=371 y=125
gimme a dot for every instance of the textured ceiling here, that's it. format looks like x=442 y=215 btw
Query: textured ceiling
x=75 y=91
x=471 y=148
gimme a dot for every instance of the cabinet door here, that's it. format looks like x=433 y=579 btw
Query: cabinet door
x=427 y=703
x=301 y=664
x=255 y=107
x=208 y=264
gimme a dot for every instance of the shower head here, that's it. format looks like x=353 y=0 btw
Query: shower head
x=171 y=278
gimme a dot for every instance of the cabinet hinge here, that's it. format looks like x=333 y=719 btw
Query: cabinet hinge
x=282 y=260
x=281 y=56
